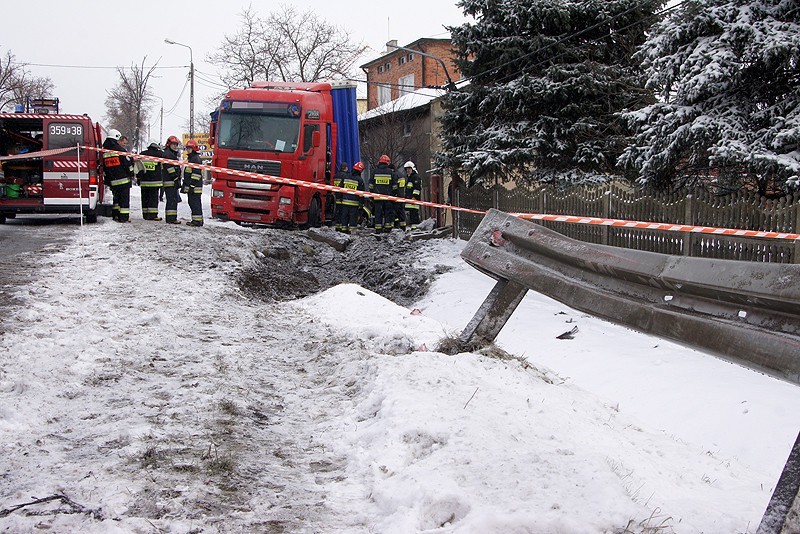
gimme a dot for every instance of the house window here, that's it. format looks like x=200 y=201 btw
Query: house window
x=411 y=57
x=380 y=69
x=401 y=60
x=384 y=94
x=387 y=66
x=406 y=84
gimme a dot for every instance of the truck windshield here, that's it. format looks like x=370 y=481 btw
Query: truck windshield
x=258 y=131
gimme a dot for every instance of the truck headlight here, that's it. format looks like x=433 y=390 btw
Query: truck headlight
x=285 y=201
x=216 y=193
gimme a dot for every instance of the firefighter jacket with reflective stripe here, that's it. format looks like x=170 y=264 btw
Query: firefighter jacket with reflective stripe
x=338 y=181
x=352 y=183
x=382 y=181
x=193 y=178
x=413 y=189
x=116 y=166
x=171 y=174
x=150 y=176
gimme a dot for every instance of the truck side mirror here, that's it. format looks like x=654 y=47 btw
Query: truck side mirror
x=315 y=138
x=212 y=130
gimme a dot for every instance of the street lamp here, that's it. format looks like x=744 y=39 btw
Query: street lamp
x=191 y=86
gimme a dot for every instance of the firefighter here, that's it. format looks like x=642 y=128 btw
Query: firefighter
x=338 y=181
x=150 y=181
x=398 y=206
x=413 y=191
x=171 y=175
x=193 y=184
x=382 y=182
x=119 y=173
x=351 y=203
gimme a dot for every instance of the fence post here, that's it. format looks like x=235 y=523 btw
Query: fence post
x=688 y=218
x=456 y=213
x=606 y=215
x=496 y=197
x=796 y=230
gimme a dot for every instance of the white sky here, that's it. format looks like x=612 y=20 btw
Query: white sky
x=129 y=390
x=94 y=33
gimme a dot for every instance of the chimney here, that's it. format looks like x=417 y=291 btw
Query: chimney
x=391 y=46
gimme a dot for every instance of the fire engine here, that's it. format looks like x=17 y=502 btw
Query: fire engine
x=37 y=177
x=290 y=130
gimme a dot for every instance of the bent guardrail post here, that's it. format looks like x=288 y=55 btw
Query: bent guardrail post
x=783 y=512
x=745 y=312
x=493 y=314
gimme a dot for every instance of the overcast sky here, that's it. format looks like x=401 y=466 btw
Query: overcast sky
x=107 y=34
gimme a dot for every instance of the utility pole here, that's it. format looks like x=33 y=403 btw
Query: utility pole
x=191 y=85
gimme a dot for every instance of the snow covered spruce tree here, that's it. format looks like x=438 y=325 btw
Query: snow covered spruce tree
x=547 y=81
x=728 y=76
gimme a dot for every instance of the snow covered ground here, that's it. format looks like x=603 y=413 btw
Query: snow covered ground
x=143 y=392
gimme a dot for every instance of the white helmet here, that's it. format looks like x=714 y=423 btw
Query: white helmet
x=114 y=134
x=410 y=164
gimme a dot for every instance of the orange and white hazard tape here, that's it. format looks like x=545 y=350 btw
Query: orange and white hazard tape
x=533 y=216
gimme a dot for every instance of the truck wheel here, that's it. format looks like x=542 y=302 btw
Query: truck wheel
x=2 y=218
x=315 y=213
x=91 y=217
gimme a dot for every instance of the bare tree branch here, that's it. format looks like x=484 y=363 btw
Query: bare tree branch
x=285 y=46
x=128 y=104
x=17 y=84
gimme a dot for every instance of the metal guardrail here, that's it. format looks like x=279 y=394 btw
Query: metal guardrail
x=747 y=313
x=744 y=312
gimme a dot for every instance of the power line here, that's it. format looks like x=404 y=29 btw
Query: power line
x=98 y=66
x=179 y=98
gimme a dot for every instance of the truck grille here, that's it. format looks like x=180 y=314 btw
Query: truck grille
x=260 y=166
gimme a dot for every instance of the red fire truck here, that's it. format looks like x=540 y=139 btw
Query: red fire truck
x=53 y=181
x=300 y=131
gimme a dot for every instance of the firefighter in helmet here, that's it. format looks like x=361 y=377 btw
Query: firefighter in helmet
x=414 y=192
x=382 y=182
x=172 y=178
x=193 y=184
x=351 y=202
x=118 y=169
x=150 y=181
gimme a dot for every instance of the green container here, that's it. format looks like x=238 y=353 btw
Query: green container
x=13 y=190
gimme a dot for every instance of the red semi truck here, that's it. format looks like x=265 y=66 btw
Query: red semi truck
x=301 y=131
x=54 y=181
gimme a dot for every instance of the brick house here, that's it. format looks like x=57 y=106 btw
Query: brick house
x=404 y=90
x=400 y=71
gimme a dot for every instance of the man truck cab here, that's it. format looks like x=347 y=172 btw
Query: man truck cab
x=38 y=171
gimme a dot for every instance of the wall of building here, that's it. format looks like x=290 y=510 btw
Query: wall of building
x=390 y=68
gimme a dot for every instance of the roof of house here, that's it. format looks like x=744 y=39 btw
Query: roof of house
x=416 y=43
x=407 y=102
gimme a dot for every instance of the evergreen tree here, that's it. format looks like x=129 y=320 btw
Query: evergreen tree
x=727 y=74
x=548 y=78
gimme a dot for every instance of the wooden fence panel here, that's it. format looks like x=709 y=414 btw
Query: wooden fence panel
x=745 y=210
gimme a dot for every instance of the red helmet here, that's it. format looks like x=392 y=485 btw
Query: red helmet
x=384 y=159
x=191 y=143
x=358 y=166
x=172 y=139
